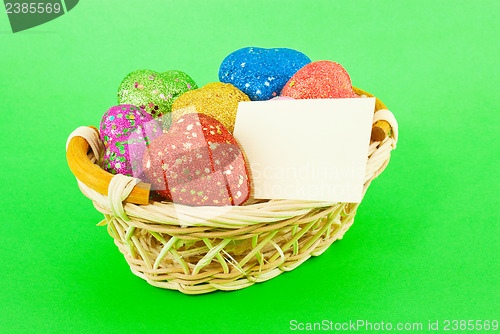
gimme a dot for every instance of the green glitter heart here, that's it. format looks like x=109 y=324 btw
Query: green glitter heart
x=154 y=91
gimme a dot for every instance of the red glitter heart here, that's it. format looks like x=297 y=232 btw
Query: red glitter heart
x=198 y=163
x=320 y=80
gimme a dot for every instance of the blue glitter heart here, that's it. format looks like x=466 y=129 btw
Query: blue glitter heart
x=261 y=73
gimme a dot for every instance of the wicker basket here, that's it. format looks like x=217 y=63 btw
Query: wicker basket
x=201 y=249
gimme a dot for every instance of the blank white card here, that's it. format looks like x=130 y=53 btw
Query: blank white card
x=306 y=149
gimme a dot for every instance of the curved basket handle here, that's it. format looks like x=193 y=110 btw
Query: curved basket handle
x=381 y=128
x=94 y=177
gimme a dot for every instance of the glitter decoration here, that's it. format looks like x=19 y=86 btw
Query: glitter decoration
x=320 y=80
x=197 y=163
x=155 y=92
x=124 y=155
x=261 y=73
x=122 y=120
x=179 y=82
x=218 y=100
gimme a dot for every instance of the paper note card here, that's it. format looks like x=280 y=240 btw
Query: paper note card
x=306 y=149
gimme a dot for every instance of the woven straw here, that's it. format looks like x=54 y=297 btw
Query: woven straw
x=201 y=249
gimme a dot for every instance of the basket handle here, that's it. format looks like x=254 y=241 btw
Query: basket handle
x=381 y=128
x=94 y=177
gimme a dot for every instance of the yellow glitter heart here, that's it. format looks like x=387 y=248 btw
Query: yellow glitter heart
x=218 y=100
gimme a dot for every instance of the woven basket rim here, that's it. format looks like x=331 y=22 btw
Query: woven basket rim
x=252 y=213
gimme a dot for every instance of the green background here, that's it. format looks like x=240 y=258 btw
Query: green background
x=424 y=245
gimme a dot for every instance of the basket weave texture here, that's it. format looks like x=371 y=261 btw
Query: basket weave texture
x=202 y=249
